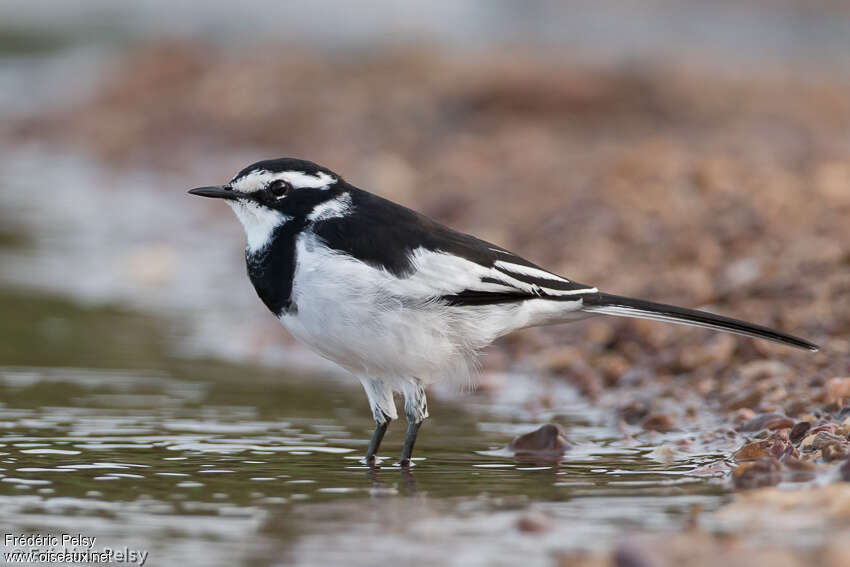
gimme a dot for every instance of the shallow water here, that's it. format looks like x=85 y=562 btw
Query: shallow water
x=220 y=464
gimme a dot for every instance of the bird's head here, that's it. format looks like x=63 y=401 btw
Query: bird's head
x=268 y=194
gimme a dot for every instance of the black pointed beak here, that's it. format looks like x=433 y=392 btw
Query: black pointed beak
x=214 y=192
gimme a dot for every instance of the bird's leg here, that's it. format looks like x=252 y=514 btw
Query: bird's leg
x=383 y=410
x=416 y=410
x=409 y=442
x=375 y=442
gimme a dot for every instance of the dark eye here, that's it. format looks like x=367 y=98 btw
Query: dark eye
x=279 y=187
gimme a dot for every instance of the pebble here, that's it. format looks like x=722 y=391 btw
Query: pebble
x=764 y=471
x=663 y=454
x=627 y=555
x=798 y=432
x=533 y=522
x=634 y=412
x=658 y=422
x=767 y=421
x=832 y=447
x=775 y=446
x=548 y=441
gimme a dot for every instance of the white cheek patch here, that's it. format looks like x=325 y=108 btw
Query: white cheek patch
x=301 y=180
x=259 y=223
x=334 y=208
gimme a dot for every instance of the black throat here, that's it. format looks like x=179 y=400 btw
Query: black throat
x=272 y=269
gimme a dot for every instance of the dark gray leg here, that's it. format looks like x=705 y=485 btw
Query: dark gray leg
x=375 y=442
x=416 y=410
x=383 y=410
x=409 y=442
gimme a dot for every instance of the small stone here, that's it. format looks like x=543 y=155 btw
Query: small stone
x=806 y=443
x=824 y=438
x=663 y=454
x=775 y=446
x=767 y=421
x=764 y=471
x=658 y=422
x=629 y=555
x=634 y=412
x=751 y=451
x=547 y=441
x=834 y=452
x=831 y=446
x=533 y=523
x=798 y=432
x=825 y=427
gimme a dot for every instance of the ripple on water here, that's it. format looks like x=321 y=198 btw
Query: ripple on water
x=237 y=466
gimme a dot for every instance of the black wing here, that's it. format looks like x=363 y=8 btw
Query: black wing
x=464 y=270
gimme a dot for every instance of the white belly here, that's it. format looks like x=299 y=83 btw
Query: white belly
x=369 y=322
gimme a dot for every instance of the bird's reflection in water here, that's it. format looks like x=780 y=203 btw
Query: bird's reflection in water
x=386 y=478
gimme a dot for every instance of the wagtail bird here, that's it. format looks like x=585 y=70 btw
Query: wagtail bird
x=398 y=299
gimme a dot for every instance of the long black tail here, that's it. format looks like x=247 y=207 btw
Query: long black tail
x=608 y=304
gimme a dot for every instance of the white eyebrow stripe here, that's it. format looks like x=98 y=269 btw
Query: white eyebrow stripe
x=527 y=271
x=301 y=180
x=337 y=207
x=260 y=178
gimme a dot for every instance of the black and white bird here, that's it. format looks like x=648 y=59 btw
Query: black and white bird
x=398 y=299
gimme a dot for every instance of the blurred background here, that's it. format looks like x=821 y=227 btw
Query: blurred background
x=688 y=152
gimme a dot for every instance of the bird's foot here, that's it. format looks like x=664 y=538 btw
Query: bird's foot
x=406 y=464
x=373 y=461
